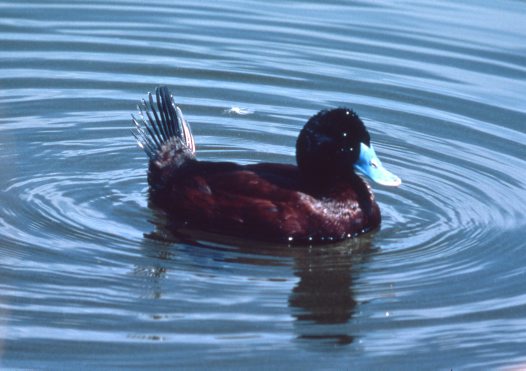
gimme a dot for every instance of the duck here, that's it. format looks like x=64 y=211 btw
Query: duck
x=321 y=199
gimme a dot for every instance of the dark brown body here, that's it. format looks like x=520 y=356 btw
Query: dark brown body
x=264 y=201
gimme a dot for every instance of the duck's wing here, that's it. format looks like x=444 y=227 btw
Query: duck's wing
x=233 y=199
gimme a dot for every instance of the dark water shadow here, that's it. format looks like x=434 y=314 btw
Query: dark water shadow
x=322 y=301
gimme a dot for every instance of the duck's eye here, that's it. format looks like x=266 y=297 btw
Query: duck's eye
x=374 y=164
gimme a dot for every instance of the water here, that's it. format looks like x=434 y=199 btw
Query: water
x=90 y=278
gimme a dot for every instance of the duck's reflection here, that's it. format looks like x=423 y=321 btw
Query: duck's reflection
x=322 y=301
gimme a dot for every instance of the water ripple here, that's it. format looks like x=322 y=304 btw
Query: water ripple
x=441 y=89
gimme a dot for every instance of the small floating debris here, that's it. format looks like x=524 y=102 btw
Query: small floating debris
x=234 y=110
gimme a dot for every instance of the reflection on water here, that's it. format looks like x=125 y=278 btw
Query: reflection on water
x=321 y=301
x=324 y=293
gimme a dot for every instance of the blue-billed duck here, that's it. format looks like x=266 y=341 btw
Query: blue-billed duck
x=320 y=200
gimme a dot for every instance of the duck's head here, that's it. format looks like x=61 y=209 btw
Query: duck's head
x=333 y=143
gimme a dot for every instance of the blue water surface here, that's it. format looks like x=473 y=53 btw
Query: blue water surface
x=91 y=278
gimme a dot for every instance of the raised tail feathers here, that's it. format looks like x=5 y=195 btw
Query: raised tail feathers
x=159 y=123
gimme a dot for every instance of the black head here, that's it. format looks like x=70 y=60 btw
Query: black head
x=329 y=144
